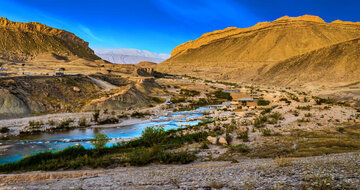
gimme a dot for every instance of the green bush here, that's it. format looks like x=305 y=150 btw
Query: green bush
x=36 y=124
x=51 y=122
x=140 y=157
x=64 y=124
x=260 y=121
x=308 y=115
x=187 y=92
x=108 y=120
x=82 y=122
x=96 y=115
x=139 y=114
x=262 y=102
x=204 y=145
x=46 y=160
x=4 y=130
x=275 y=117
x=243 y=148
x=222 y=95
x=99 y=140
x=266 y=132
x=152 y=136
x=244 y=135
x=158 y=100
x=308 y=107
x=177 y=100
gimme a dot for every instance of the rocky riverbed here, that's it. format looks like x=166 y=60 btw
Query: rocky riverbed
x=337 y=171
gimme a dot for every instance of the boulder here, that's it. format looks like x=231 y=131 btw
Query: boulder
x=223 y=141
x=211 y=139
x=76 y=89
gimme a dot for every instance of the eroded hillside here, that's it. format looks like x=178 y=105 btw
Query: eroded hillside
x=24 y=96
x=244 y=54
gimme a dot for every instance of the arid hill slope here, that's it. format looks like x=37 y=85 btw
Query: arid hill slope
x=243 y=54
x=334 y=64
x=23 y=41
x=146 y=64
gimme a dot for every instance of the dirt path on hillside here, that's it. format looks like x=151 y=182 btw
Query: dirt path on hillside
x=102 y=84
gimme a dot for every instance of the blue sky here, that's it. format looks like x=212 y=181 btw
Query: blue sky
x=161 y=25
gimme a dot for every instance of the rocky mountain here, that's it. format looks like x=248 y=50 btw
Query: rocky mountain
x=266 y=49
x=24 y=41
x=130 y=56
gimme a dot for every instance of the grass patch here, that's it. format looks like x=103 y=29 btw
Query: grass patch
x=304 y=143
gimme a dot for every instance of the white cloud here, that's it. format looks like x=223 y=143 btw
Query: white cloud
x=89 y=33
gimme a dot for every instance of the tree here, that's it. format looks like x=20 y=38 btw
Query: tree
x=152 y=135
x=99 y=140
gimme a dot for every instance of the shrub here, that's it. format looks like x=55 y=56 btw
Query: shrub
x=244 y=135
x=36 y=124
x=200 y=102
x=82 y=122
x=139 y=114
x=152 y=136
x=262 y=102
x=177 y=100
x=266 y=132
x=158 y=100
x=240 y=148
x=187 y=92
x=260 y=121
x=222 y=95
x=204 y=145
x=228 y=138
x=308 y=115
x=140 y=157
x=99 y=140
x=341 y=129
x=296 y=113
x=96 y=115
x=308 y=107
x=64 y=124
x=275 y=117
x=109 y=120
x=4 y=130
x=51 y=122
x=283 y=162
x=266 y=110
x=122 y=116
x=106 y=111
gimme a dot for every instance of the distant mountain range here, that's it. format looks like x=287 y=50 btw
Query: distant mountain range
x=130 y=56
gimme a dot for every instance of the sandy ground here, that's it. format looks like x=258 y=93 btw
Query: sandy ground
x=337 y=171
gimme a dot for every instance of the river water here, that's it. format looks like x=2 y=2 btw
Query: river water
x=15 y=148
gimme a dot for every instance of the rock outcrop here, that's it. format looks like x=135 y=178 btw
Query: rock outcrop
x=23 y=41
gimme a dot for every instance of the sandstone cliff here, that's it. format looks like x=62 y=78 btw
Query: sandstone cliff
x=23 y=41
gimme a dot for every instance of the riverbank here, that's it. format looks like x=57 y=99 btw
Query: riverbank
x=336 y=171
x=50 y=122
